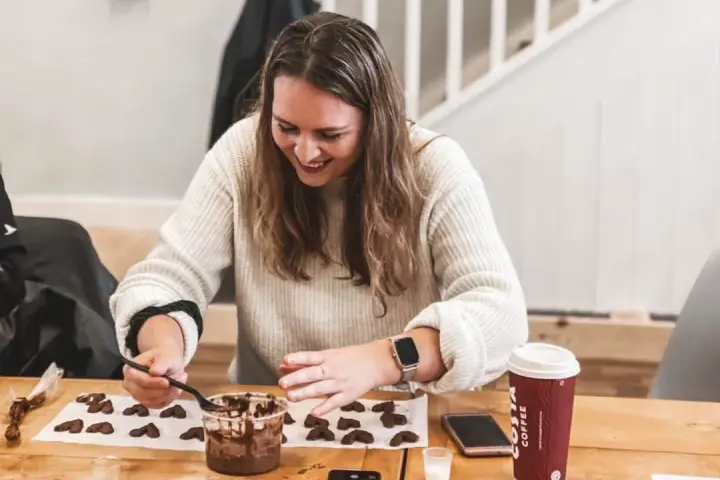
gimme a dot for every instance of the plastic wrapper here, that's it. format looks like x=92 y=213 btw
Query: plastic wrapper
x=18 y=407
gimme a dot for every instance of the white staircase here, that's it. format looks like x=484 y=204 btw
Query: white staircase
x=483 y=40
x=598 y=143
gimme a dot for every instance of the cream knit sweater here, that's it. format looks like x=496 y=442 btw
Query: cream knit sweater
x=466 y=287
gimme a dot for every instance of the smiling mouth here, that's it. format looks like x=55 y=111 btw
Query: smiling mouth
x=315 y=167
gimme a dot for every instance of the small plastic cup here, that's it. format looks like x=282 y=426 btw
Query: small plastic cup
x=244 y=444
x=438 y=463
x=106 y=468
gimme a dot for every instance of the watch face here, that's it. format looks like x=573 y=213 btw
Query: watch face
x=406 y=351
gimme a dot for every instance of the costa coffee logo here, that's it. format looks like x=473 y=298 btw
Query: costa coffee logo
x=518 y=421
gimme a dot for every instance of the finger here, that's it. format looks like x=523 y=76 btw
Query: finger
x=154 y=360
x=144 y=380
x=332 y=403
x=180 y=377
x=148 y=398
x=163 y=365
x=314 y=390
x=305 y=375
x=304 y=358
x=158 y=403
x=285 y=369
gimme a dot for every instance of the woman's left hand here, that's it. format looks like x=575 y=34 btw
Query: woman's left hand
x=341 y=374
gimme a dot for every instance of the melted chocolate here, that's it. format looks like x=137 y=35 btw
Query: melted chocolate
x=239 y=446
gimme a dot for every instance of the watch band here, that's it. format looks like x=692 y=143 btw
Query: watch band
x=407 y=372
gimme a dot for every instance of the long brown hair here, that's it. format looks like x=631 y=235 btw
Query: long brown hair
x=343 y=56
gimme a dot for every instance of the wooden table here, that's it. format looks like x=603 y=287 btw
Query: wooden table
x=612 y=438
x=48 y=460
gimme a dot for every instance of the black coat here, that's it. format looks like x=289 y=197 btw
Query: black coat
x=54 y=294
x=12 y=256
x=260 y=23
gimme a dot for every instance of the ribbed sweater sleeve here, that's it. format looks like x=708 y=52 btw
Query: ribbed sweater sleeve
x=195 y=246
x=481 y=316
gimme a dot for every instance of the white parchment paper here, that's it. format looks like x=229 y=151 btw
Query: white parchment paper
x=416 y=411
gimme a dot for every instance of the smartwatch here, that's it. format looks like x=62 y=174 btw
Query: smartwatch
x=406 y=356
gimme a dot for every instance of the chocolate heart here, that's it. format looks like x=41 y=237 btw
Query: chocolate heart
x=287 y=419
x=176 y=411
x=138 y=409
x=387 y=407
x=390 y=420
x=194 y=432
x=103 y=427
x=72 y=426
x=362 y=436
x=311 y=422
x=353 y=407
x=405 y=436
x=320 y=433
x=105 y=407
x=91 y=398
x=347 y=423
x=149 y=430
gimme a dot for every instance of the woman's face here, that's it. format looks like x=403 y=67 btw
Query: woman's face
x=318 y=133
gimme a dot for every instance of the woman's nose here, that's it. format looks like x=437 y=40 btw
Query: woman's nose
x=306 y=150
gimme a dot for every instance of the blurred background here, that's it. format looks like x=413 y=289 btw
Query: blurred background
x=594 y=124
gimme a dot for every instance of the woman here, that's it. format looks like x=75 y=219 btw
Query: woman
x=366 y=254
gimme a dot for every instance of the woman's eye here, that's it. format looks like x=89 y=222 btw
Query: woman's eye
x=331 y=136
x=286 y=128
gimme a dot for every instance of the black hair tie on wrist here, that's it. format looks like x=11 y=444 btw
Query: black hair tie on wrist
x=139 y=319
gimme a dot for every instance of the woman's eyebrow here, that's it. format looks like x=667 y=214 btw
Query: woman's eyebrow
x=324 y=129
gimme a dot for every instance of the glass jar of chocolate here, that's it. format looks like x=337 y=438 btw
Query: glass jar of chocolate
x=247 y=438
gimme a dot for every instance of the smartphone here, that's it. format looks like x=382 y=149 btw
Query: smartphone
x=353 y=475
x=477 y=434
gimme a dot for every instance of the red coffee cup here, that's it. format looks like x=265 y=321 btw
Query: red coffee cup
x=542 y=390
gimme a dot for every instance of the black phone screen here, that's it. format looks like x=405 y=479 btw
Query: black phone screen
x=478 y=430
x=353 y=475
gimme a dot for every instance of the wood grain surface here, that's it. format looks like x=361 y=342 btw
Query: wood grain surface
x=612 y=438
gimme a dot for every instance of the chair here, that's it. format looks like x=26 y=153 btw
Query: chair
x=691 y=362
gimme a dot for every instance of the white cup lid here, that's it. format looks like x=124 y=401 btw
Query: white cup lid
x=543 y=361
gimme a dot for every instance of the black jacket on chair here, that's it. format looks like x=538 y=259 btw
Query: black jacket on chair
x=12 y=257
x=54 y=293
x=260 y=23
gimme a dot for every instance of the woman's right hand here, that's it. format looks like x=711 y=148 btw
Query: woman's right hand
x=160 y=341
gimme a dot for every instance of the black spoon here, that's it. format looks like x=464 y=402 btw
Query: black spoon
x=205 y=404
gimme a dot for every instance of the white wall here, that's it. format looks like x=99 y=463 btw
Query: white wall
x=108 y=97
x=602 y=158
x=113 y=98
